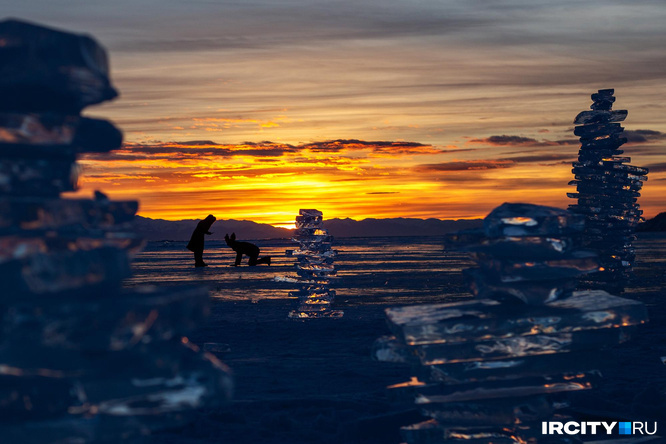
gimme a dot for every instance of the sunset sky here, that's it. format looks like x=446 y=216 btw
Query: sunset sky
x=424 y=108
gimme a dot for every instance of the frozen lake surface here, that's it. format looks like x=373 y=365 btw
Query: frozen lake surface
x=370 y=270
x=314 y=381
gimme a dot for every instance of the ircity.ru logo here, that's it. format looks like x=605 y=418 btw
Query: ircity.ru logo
x=598 y=427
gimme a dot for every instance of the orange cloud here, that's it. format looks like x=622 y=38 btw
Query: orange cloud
x=269 y=181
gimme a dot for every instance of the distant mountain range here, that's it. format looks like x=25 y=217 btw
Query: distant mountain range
x=657 y=223
x=181 y=230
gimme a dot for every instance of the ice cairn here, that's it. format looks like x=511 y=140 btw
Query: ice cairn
x=491 y=369
x=81 y=359
x=314 y=268
x=607 y=191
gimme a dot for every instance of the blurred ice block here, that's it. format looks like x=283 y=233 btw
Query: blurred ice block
x=81 y=360
x=490 y=369
x=43 y=69
x=478 y=319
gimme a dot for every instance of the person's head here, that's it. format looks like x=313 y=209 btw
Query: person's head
x=230 y=240
x=210 y=218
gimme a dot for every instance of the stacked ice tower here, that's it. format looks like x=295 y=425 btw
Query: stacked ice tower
x=314 y=268
x=82 y=360
x=607 y=191
x=491 y=369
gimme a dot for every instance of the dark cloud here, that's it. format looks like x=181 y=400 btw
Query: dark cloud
x=199 y=149
x=656 y=167
x=541 y=158
x=384 y=192
x=195 y=143
x=505 y=140
x=202 y=149
x=643 y=136
x=506 y=162
x=379 y=147
x=464 y=165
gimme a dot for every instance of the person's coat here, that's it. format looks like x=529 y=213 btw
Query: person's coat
x=196 y=243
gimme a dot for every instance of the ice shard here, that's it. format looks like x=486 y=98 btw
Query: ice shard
x=491 y=368
x=314 y=268
x=607 y=189
x=82 y=360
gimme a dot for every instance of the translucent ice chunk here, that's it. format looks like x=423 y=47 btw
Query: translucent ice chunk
x=53 y=136
x=427 y=432
x=310 y=213
x=316 y=315
x=527 y=386
x=507 y=348
x=389 y=349
x=42 y=69
x=472 y=320
x=120 y=322
x=568 y=266
x=484 y=285
x=516 y=219
x=492 y=412
x=586 y=117
x=524 y=247
x=61 y=271
x=597 y=129
x=34 y=213
x=23 y=177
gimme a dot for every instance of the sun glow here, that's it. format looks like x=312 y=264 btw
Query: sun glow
x=269 y=182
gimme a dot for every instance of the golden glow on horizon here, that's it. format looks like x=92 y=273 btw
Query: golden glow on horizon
x=269 y=183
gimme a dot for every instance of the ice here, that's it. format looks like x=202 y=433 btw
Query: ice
x=492 y=412
x=519 y=367
x=43 y=69
x=517 y=219
x=81 y=360
x=38 y=177
x=34 y=213
x=115 y=321
x=314 y=268
x=57 y=272
x=524 y=247
x=527 y=253
x=55 y=136
x=567 y=266
x=489 y=350
x=585 y=117
x=390 y=349
x=594 y=130
x=610 y=142
x=427 y=432
x=312 y=215
x=478 y=319
x=486 y=285
x=495 y=389
x=216 y=347
x=607 y=189
x=328 y=314
x=506 y=358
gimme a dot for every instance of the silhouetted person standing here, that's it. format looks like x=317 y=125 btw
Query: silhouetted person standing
x=196 y=243
x=247 y=249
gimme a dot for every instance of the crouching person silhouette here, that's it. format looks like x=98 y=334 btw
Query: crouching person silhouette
x=196 y=244
x=247 y=249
